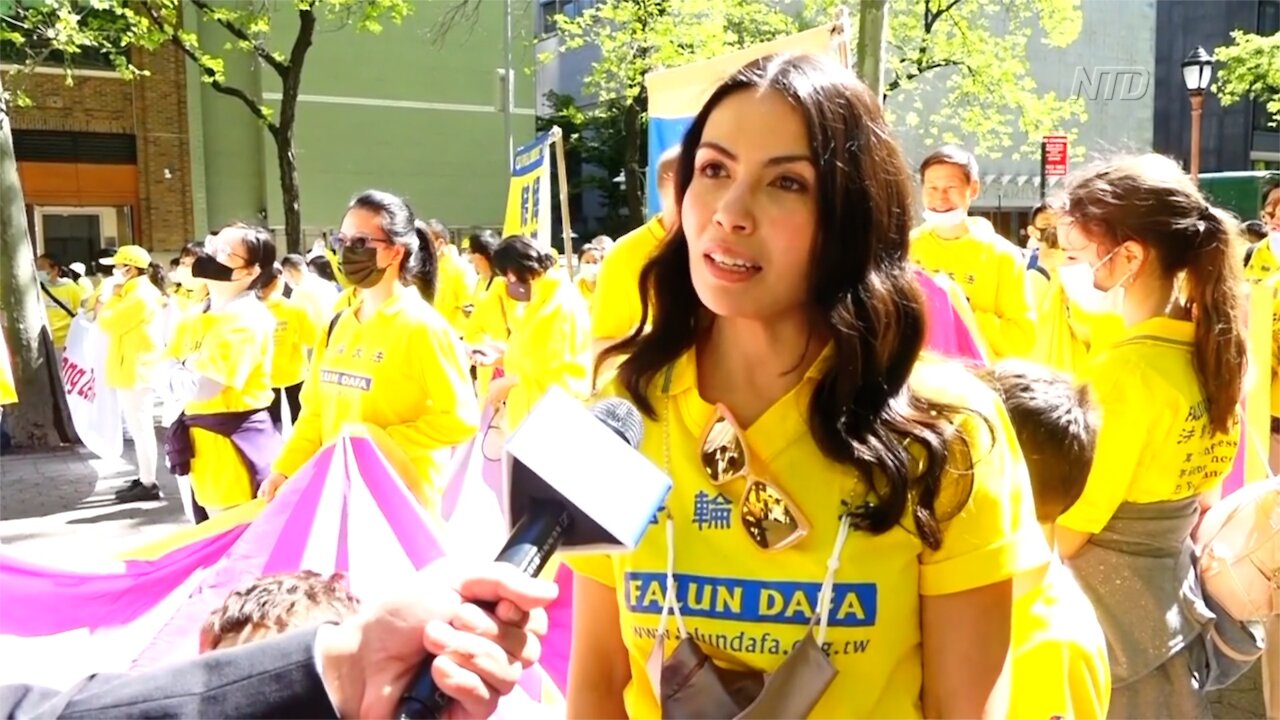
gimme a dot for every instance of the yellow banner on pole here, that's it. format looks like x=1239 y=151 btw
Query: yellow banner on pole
x=529 y=199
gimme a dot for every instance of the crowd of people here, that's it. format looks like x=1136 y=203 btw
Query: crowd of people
x=859 y=526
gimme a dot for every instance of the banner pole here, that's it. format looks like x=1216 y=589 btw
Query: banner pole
x=557 y=137
x=841 y=29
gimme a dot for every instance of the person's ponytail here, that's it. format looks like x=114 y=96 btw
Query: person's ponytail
x=421 y=266
x=1217 y=308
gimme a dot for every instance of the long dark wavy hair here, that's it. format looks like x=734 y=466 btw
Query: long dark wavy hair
x=864 y=295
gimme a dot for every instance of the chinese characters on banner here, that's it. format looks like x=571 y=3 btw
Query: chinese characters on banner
x=529 y=200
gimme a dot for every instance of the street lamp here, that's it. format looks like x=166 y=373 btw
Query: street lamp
x=1197 y=70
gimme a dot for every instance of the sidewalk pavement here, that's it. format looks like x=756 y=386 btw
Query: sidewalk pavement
x=57 y=507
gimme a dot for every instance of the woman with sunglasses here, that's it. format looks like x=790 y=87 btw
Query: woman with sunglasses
x=224 y=439
x=838 y=507
x=551 y=343
x=390 y=360
x=1169 y=392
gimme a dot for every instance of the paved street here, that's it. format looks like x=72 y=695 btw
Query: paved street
x=58 y=508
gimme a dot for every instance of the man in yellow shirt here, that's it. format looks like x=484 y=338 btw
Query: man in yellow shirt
x=987 y=267
x=1060 y=664
x=615 y=308
x=455 y=281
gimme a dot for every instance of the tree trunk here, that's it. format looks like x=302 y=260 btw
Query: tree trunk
x=289 y=192
x=40 y=419
x=634 y=144
x=291 y=85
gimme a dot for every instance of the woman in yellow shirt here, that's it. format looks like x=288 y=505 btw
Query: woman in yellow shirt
x=61 y=295
x=1169 y=393
x=295 y=334
x=224 y=438
x=825 y=483
x=551 y=343
x=129 y=311
x=391 y=360
x=493 y=311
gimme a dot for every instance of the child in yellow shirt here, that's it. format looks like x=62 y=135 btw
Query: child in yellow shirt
x=1060 y=666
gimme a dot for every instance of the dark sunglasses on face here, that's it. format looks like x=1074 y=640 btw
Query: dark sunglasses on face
x=338 y=241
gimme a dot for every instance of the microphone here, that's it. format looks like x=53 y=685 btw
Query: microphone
x=552 y=502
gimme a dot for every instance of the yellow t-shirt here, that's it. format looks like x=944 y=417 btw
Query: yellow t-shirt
x=402 y=371
x=549 y=346
x=231 y=346
x=615 y=308
x=1060 y=666
x=295 y=331
x=453 y=288
x=493 y=315
x=1155 y=442
x=747 y=608
x=71 y=295
x=993 y=276
x=8 y=391
x=1263 y=263
x=132 y=322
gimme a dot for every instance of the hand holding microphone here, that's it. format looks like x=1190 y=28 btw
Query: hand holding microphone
x=576 y=480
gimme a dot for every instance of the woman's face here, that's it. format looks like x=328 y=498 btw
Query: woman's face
x=750 y=211
x=1111 y=264
x=46 y=267
x=1271 y=211
x=480 y=263
x=227 y=247
x=359 y=222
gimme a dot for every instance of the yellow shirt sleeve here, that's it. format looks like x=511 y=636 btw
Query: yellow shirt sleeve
x=1126 y=418
x=561 y=355
x=1010 y=329
x=597 y=567
x=995 y=535
x=222 y=357
x=452 y=413
x=615 y=306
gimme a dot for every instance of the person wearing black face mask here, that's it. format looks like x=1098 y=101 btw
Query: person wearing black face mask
x=390 y=360
x=551 y=345
x=225 y=440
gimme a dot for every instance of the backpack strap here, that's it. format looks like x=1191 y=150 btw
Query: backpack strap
x=1040 y=269
x=1248 y=253
x=333 y=323
x=54 y=298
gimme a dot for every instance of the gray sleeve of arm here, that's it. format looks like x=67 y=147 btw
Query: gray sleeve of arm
x=275 y=678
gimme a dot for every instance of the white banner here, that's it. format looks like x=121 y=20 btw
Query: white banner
x=95 y=411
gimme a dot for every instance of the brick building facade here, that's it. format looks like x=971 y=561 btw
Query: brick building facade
x=112 y=145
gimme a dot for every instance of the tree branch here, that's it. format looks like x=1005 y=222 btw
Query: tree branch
x=463 y=12
x=238 y=33
x=209 y=73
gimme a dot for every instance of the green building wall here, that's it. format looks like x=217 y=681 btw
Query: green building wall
x=395 y=111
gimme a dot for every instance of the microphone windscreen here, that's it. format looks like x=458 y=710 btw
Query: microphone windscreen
x=622 y=418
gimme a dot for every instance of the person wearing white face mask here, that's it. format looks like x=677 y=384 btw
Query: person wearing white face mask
x=130 y=316
x=61 y=295
x=1169 y=392
x=988 y=268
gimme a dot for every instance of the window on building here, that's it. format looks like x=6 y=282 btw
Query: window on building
x=550 y=11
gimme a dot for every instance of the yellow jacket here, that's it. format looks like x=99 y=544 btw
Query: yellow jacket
x=132 y=323
x=1263 y=263
x=550 y=345
x=402 y=371
x=453 y=288
x=993 y=276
